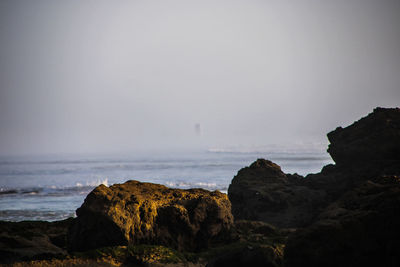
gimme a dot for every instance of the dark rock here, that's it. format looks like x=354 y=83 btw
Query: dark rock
x=145 y=213
x=360 y=229
x=257 y=244
x=257 y=256
x=30 y=240
x=359 y=225
x=373 y=140
x=368 y=148
x=347 y=215
x=263 y=192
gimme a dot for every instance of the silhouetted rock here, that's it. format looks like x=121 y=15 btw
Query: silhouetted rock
x=372 y=142
x=145 y=213
x=346 y=215
x=359 y=226
x=263 y=192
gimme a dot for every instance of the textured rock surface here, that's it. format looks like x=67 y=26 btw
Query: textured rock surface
x=32 y=240
x=360 y=229
x=147 y=213
x=263 y=192
x=257 y=244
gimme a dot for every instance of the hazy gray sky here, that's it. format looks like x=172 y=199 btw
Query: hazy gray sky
x=90 y=76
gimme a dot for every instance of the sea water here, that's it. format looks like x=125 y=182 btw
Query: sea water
x=52 y=187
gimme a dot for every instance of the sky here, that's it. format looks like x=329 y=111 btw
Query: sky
x=108 y=76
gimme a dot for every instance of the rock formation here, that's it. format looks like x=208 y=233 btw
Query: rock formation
x=373 y=142
x=145 y=213
x=359 y=227
x=347 y=215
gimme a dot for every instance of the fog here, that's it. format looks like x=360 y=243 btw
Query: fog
x=112 y=76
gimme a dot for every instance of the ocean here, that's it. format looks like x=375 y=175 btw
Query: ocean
x=52 y=187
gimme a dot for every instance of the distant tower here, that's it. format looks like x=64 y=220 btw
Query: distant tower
x=197 y=129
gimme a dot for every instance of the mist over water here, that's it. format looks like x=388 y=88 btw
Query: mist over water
x=106 y=76
x=182 y=93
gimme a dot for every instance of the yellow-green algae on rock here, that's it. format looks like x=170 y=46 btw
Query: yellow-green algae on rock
x=146 y=213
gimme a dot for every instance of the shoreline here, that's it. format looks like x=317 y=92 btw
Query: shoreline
x=332 y=218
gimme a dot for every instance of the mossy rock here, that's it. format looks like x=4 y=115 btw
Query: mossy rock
x=134 y=255
x=146 y=213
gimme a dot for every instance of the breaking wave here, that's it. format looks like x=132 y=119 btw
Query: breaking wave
x=53 y=190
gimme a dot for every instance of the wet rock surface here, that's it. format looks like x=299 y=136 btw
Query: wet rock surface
x=145 y=213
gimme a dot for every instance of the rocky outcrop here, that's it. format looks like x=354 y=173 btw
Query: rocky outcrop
x=262 y=192
x=347 y=215
x=367 y=149
x=373 y=142
x=145 y=213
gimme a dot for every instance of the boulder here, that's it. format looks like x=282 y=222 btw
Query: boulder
x=146 y=213
x=262 y=192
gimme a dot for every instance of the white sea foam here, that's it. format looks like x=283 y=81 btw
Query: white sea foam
x=93 y=183
x=204 y=185
x=38 y=188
